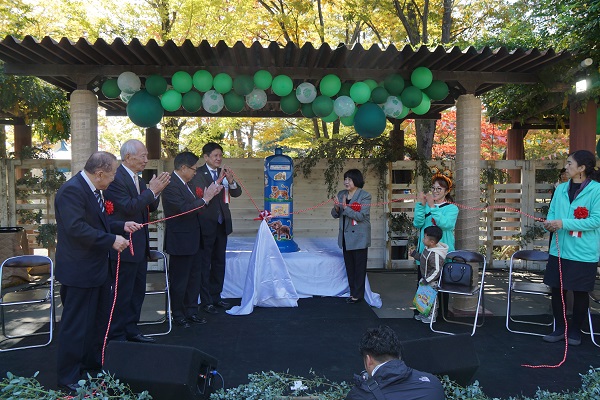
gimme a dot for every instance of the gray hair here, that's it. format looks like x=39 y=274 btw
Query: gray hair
x=130 y=147
x=100 y=161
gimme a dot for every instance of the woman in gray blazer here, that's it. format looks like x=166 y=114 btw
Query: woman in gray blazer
x=353 y=208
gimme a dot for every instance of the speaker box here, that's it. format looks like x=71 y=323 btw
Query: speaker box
x=452 y=355
x=166 y=372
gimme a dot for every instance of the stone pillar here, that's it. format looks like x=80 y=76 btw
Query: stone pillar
x=468 y=156
x=582 y=126
x=84 y=127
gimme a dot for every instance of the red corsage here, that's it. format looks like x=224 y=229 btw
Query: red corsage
x=264 y=214
x=579 y=213
x=356 y=207
x=109 y=207
x=199 y=192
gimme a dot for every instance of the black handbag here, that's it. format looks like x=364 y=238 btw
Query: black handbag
x=456 y=272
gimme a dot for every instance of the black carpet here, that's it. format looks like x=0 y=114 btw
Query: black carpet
x=322 y=334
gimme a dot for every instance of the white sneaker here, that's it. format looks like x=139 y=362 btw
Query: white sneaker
x=426 y=320
x=419 y=317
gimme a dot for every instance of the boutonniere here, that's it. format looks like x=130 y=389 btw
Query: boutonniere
x=199 y=192
x=356 y=207
x=579 y=213
x=109 y=206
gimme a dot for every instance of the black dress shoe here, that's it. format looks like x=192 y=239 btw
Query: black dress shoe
x=181 y=322
x=223 y=304
x=70 y=388
x=141 y=339
x=352 y=300
x=210 y=309
x=196 y=320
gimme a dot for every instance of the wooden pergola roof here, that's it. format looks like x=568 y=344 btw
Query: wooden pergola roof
x=83 y=65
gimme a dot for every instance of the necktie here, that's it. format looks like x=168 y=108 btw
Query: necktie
x=99 y=199
x=214 y=175
x=136 y=181
x=219 y=216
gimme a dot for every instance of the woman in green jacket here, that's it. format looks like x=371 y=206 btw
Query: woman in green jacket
x=574 y=217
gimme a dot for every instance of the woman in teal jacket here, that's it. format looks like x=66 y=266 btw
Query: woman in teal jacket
x=436 y=208
x=574 y=217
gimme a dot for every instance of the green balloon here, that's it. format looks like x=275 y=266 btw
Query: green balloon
x=394 y=84
x=369 y=120
x=331 y=117
x=182 y=81
x=372 y=83
x=223 y=83
x=347 y=121
x=330 y=85
x=379 y=95
x=360 y=92
x=322 y=106
x=404 y=113
x=438 y=90
x=203 y=80
x=192 y=101
x=345 y=89
x=234 y=102
x=421 y=77
x=156 y=85
x=282 y=85
x=307 y=110
x=171 y=100
x=110 y=89
x=423 y=108
x=243 y=85
x=290 y=103
x=144 y=109
x=411 y=96
x=263 y=79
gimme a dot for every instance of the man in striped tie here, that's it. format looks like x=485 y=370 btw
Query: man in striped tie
x=84 y=238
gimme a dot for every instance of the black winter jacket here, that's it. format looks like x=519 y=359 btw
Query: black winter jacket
x=397 y=381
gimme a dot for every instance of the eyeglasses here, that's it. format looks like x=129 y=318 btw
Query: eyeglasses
x=192 y=168
x=437 y=188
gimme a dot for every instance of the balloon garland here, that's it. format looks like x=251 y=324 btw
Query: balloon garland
x=329 y=100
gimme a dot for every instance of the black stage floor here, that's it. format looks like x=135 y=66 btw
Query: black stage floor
x=322 y=334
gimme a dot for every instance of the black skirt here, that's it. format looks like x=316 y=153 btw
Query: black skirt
x=576 y=275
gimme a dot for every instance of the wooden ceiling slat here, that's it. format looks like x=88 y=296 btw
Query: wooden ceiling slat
x=155 y=53
x=69 y=47
x=190 y=53
x=18 y=52
x=207 y=55
x=139 y=51
x=173 y=53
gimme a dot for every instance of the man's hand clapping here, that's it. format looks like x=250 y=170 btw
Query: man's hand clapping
x=158 y=183
x=212 y=191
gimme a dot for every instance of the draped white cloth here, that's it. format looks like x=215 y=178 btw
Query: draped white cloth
x=316 y=270
x=268 y=282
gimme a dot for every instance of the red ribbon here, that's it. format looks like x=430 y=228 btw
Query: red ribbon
x=109 y=207
x=264 y=214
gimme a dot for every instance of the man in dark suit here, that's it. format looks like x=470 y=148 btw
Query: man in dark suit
x=132 y=200
x=183 y=237
x=84 y=239
x=216 y=225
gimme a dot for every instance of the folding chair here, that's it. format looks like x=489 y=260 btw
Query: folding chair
x=457 y=290
x=595 y=297
x=158 y=286
x=20 y=297
x=525 y=287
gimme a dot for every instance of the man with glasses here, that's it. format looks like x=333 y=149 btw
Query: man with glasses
x=183 y=237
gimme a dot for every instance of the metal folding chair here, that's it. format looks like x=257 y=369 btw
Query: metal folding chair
x=475 y=289
x=595 y=297
x=159 y=286
x=525 y=287
x=21 y=297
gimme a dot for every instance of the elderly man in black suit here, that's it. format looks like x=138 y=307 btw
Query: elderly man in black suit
x=84 y=238
x=132 y=200
x=183 y=237
x=216 y=225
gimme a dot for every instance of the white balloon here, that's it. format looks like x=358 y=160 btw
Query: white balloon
x=306 y=92
x=344 y=106
x=256 y=99
x=392 y=107
x=212 y=101
x=125 y=97
x=129 y=82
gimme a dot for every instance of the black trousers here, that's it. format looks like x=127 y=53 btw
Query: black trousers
x=356 y=269
x=82 y=328
x=185 y=276
x=213 y=266
x=131 y=291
